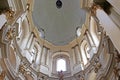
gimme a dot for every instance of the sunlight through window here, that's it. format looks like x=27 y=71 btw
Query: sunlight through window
x=61 y=65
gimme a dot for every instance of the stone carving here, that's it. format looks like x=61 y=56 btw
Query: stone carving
x=117 y=57
x=10 y=34
x=9 y=14
x=23 y=68
x=97 y=65
x=28 y=7
x=82 y=78
x=116 y=69
x=94 y=8
x=2 y=75
x=116 y=72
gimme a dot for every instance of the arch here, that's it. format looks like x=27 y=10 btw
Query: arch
x=60 y=53
x=55 y=58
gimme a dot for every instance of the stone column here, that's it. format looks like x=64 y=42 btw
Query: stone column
x=77 y=51
x=82 y=64
x=43 y=56
x=74 y=56
x=38 y=56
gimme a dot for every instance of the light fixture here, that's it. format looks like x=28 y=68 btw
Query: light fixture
x=58 y=4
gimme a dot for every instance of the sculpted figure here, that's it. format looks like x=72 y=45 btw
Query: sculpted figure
x=2 y=75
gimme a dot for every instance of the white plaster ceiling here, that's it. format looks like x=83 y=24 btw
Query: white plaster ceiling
x=59 y=24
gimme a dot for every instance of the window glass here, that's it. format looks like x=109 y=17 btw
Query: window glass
x=61 y=65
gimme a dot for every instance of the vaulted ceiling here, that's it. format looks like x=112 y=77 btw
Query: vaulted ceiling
x=59 y=24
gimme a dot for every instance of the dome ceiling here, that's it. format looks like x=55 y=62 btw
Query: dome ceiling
x=59 y=24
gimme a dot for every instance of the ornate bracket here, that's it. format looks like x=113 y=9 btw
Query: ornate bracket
x=28 y=7
x=82 y=78
x=23 y=68
x=10 y=34
x=97 y=65
x=2 y=75
x=116 y=73
x=9 y=14
x=117 y=56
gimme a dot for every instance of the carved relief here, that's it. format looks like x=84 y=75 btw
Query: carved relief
x=28 y=6
x=9 y=14
x=82 y=78
x=116 y=73
x=116 y=69
x=97 y=65
x=23 y=68
x=94 y=8
x=2 y=75
x=117 y=57
x=10 y=34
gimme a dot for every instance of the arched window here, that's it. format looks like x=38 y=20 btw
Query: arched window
x=61 y=65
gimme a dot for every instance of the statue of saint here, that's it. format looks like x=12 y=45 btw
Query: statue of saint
x=2 y=75
x=60 y=74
